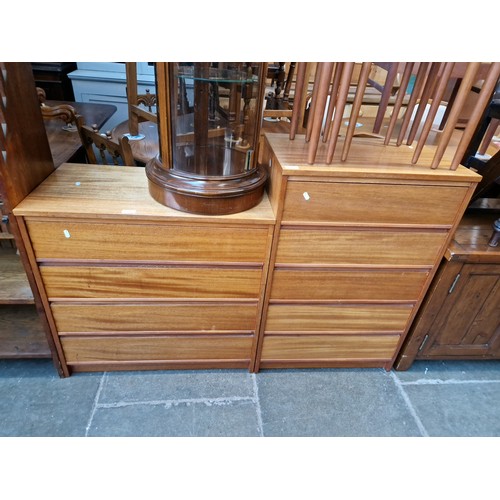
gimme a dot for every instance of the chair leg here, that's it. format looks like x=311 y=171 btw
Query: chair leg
x=384 y=98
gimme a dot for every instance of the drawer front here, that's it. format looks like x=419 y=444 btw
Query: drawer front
x=365 y=247
x=337 y=318
x=150 y=282
x=334 y=347
x=144 y=242
x=102 y=349
x=347 y=285
x=104 y=318
x=372 y=203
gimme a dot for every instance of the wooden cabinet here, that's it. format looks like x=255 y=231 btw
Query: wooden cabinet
x=25 y=161
x=21 y=331
x=460 y=317
x=128 y=283
x=354 y=251
x=53 y=78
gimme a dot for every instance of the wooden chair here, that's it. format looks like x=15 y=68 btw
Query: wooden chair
x=6 y=237
x=42 y=96
x=279 y=105
x=488 y=168
x=64 y=112
x=428 y=89
x=140 y=106
x=110 y=152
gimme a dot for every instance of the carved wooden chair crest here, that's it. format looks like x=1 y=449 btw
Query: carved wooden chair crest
x=64 y=112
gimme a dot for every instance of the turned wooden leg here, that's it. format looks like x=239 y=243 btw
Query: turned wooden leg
x=495 y=237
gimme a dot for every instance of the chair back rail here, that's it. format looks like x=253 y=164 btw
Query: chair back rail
x=331 y=94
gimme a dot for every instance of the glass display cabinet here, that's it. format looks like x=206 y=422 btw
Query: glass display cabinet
x=209 y=119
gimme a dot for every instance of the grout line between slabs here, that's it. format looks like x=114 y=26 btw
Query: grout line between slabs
x=95 y=404
x=438 y=381
x=174 y=402
x=260 y=426
x=409 y=404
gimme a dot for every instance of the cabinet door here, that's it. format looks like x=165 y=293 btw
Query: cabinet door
x=469 y=321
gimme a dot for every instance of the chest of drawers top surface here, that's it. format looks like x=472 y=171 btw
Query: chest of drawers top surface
x=369 y=159
x=97 y=191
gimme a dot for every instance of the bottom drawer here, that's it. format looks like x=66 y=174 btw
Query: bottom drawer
x=155 y=348
x=329 y=347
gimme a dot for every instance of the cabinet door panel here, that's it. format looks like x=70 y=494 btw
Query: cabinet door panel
x=108 y=318
x=372 y=203
x=347 y=285
x=150 y=282
x=144 y=242
x=355 y=247
x=469 y=320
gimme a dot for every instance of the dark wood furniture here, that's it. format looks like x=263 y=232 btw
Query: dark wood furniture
x=460 y=317
x=101 y=148
x=25 y=161
x=65 y=144
x=488 y=168
x=21 y=332
x=279 y=105
x=53 y=78
x=209 y=116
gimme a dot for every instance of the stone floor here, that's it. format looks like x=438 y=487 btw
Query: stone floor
x=454 y=398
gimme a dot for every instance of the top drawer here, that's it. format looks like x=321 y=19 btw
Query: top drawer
x=145 y=242
x=339 y=202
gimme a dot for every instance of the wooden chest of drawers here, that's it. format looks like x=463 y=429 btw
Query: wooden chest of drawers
x=355 y=248
x=329 y=271
x=130 y=284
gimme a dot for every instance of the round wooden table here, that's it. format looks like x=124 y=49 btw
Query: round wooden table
x=142 y=149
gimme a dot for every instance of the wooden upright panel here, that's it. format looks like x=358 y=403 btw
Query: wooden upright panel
x=25 y=161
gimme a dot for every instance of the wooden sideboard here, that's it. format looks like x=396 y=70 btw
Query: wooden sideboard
x=328 y=270
x=355 y=248
x=460 y=317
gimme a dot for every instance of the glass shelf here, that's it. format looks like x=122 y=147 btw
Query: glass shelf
x=215 y=75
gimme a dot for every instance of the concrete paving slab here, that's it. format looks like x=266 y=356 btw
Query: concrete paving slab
x=457 y=409
x=451 y=370
x=174 y=385
x=337 y=402
x=223 y=418
x=35 y=401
